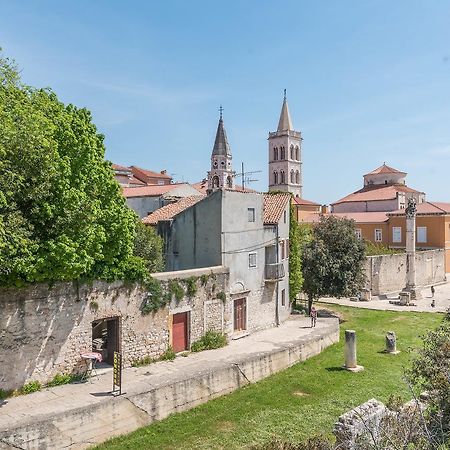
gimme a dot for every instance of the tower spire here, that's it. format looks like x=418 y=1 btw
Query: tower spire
x=285 y=119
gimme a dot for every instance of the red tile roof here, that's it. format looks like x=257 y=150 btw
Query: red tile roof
x=376 y=192
x=385 y=169
x=358 y=217
x=202 y=186
x=172 y=209
x=129 y=179
x=304 y=202
x=424 y=208
x=138 y=172
x=121 y=168
x=274 y=205
x=153 y=190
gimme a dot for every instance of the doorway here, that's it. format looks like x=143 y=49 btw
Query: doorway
x=106 y=338
x=240 y=314
x=180 y=332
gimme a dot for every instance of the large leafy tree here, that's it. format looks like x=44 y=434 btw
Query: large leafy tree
x=62 y=215
x=149 y=246
x=333 y=260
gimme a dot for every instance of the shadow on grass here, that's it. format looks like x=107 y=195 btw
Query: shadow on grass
x=334 y=369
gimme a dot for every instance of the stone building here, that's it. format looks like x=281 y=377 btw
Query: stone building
x=285 y=155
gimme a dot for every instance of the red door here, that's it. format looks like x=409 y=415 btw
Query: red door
x=240 y=314
x=180 y=332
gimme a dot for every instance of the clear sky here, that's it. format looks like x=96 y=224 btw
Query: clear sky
x=367 y=81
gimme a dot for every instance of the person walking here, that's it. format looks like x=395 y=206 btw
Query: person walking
x=313 y=315
x=432 y=291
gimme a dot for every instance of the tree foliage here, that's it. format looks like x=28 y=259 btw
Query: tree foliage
x=299 y=235
x=333 y=260
x=62 y=215
x=149 y=246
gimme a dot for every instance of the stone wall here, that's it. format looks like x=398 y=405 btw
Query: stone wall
x=387 y=273
x=43 y=330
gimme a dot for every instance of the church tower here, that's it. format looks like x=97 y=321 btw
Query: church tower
x=221 y=174
x=285 y=155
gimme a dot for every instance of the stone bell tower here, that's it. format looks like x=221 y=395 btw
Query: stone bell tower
x=221 y=175
x=285 y=155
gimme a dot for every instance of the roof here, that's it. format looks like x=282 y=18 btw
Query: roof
x=172 y=209
x=129 y=179
x=304 y=202
x=138 y=171
x=385 y=169
x=120 y=168
x=285 y=119
x=274 y=206
x=221 y=145
x=358 y=217
x=376 y=192
x=153 y=190
x=439 y=208
x=202 y=187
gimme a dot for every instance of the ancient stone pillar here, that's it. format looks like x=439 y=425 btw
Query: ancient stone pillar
x=411 y=250
x=391 y=342
x=350 y=351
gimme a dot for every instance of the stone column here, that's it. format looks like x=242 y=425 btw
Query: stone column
x=411 y=250
x=350 y=351
x=391 y=343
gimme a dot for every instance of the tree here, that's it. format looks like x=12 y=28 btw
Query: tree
x=149 y=246
x=62 y=215
x=333 y=260
x=299 y=235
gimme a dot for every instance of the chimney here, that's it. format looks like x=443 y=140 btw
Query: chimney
x=324 y=209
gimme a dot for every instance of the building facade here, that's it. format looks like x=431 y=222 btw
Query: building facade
x=285 y=156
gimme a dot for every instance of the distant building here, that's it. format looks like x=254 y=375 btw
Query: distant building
x=134 y=176
x=124 y=176
x=384 y=189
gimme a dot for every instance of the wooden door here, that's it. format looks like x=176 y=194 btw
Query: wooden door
x=180 y=332
x=240 y=314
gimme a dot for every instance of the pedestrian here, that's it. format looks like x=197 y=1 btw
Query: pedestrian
x=313 y=315
x=432 y=291
x=433 y=303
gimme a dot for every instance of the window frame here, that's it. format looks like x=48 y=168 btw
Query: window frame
x=253 y=212
x=426 y=235
x=394 y=230
x=358 y=233
x=255 y=254
x=380 y=232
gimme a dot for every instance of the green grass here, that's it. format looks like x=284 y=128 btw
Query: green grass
x=301 y=401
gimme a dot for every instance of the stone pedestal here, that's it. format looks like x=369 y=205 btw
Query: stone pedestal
x=391 y=343
x=350 y=352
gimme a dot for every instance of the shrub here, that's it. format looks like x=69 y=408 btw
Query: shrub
x=209 y=341
x=168 y=355
x=176 y=290
x=28 y=388
x=191 y=286
x=380 y=249
x=145 y=361
x=59 y=379
x=221 y=296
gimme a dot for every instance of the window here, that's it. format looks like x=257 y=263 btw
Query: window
x=282 y=153
x=421 y=235
x=358 y=233
x=292 y=152
x=283 y=297
x=229 y=182
x=283 y=179
x=251 y=214
x=378 y=235
x=275 y=178
x=252 y=260
x=285 y=216
x=282 y=252
x=297 y=177
x=292 y=176
x=215 y=182
x=297 y=153
x=275 y=153
x=397 y=234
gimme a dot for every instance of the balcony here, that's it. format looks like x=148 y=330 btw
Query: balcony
x=274 y=272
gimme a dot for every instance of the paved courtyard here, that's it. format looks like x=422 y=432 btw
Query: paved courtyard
x=441 y=296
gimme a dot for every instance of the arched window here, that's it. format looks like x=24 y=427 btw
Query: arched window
x=275 y=153
x=283 y=179
x=297 y=153
x=275 y=178
x=282 y=153
x=229 y=182
x=292 y=176
x=292 y=152
x=297 y=177
x=215 y=181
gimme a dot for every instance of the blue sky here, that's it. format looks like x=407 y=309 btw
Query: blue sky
x=367 y=81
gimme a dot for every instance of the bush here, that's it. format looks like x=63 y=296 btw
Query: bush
x=191 y=286
x=28 y=388
x=145 y=361
x=59 y=379
x=168 y=355
x=176 y=290
x=209 y=341
x=379 y=249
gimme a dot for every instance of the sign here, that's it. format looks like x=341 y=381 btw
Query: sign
x=117 y=374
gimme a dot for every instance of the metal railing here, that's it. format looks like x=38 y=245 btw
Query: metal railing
x=274 y=271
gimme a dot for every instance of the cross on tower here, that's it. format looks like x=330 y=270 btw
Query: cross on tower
x=221 y=111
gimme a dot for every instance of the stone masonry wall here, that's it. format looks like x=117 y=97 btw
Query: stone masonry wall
x=43 y=330
x=387 y=273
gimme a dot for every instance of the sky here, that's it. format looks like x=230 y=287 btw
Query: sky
x=367 y=82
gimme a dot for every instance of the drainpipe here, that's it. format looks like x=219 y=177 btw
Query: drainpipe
x=277 y=315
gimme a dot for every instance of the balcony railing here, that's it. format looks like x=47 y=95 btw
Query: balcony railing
x=274 y=271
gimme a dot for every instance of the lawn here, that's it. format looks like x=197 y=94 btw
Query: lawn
x=301 y=401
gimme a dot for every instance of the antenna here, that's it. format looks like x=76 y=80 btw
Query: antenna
x=246 y=176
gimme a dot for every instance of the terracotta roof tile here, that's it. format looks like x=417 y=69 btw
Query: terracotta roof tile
x=427 y=208
x=152 y=190
x=274 y=205
x=303 y=201
x=137 y=171
x=358 y=217
x=171 y=210
x=376 y=192
x=384 y=169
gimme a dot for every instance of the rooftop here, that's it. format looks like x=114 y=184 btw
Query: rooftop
x=171 y=210
x=385 y=169
x=424 y=208
x=274 y=205
x=153 y=190
x=304 y=202
x=358 y=217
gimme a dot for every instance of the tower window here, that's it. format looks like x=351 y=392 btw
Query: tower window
x=297 y=153
x=275 y=154
x=283 y=178
x=282 y=153
x=229 y=182
x=292 y=176
x=275 y=178
x=215 y=182
x=297 y=177
x=292 y=152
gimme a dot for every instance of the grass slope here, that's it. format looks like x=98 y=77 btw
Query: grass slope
x=301 y=401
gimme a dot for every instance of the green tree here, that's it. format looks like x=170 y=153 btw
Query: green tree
x=149 y=246
x=333 y=260
x=62 y=215
x=299 y=235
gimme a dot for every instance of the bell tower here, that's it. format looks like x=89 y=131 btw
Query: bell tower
x=285 y=155
x=221 y=175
